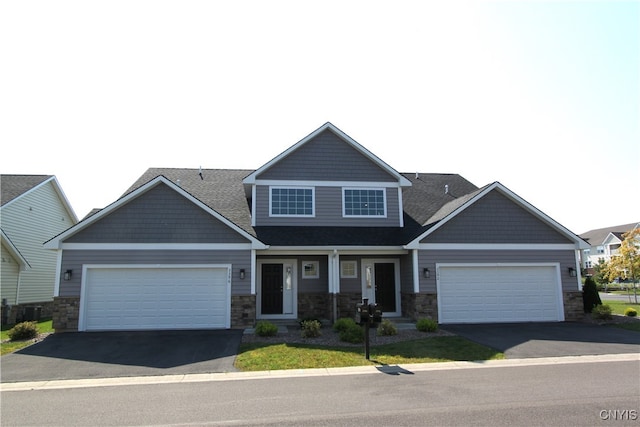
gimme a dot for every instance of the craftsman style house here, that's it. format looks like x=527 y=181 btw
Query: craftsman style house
x=310 y=234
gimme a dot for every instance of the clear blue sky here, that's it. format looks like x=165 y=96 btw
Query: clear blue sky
x=542 y=96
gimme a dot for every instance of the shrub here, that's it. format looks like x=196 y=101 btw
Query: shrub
x=310 y=328
x=601 y=312
x=23 y=331
x=387 y=328
x=266 y=329
x=590 y=296
x=630 y=311
x=343 y=324
x=353 y=333
x=427 y=325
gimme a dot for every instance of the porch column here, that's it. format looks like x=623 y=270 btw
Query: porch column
x=416 y=271
x=334 y=282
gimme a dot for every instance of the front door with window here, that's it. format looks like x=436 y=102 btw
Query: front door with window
x=381 y=284
x=277 y=289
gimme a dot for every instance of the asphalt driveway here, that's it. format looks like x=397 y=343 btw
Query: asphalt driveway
x=82 y=355
x=524 y=340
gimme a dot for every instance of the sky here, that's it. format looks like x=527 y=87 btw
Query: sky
x=542 y=96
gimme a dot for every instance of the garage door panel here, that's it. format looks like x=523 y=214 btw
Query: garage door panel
x=488 y=294
x=156 y=298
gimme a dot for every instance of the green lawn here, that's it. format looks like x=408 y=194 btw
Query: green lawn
x=7 y=347
x=618 y=307
x=265 y=356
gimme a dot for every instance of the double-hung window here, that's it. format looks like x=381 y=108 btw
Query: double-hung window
x=364 y=202
x=291 y=201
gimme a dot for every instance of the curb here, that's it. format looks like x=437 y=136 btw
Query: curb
x=299 y=373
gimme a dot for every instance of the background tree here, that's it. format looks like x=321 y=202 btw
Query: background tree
x=600 y=273
x=626 y=262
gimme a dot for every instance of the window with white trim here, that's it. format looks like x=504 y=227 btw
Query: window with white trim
x=291 y=201
x=310 y=269
x=348 y=269
x=364 y=202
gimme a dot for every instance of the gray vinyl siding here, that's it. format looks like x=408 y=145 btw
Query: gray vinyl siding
x=160 y=215
x=328 y=210
x=321 y=284
x=75 y=259
x=352 y=284
x=495 y=219
x=429 y=259
x=29 y=221
x=326 y=157
x=406 y=273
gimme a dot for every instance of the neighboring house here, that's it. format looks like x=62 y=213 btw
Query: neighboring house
x=309 y=235
x=33 y=209
x=603 y=243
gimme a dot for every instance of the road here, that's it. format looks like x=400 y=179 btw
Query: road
x=619 y=297
x=517 y=393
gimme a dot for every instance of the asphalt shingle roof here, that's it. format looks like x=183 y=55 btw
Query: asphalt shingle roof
x=425 y=203
x=597 y=236
x=13 y=186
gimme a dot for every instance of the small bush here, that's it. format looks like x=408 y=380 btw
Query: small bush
x=601 y=312
x=266 y=329
x=427 y=325
x=353 y=334
x=23 y=331
x=310 y=328
x=630 y=311
x=343 y=324
x=387 y=328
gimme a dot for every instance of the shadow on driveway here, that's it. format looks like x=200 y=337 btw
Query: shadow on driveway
x=77 y=355
x=523 y=340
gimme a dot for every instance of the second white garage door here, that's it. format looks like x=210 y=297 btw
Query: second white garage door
x=499 y=293
x=145 y=298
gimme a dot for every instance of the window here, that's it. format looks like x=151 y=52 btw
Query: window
x=291 y=201
x=348 y=269
x=600 y=249
x=364 y=202
x=310 y=270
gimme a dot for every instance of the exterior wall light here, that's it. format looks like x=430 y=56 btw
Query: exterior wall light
x=67 y=275
x=426 y=273
x=572 y=272
x=242 y=274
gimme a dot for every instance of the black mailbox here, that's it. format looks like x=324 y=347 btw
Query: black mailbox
x=375 y=313
x=362 y=314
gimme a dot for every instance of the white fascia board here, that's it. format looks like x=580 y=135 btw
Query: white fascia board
x=404 y=182
x=611 y=238
x=64 y=199
x=156 y=246
x=342 y=250
x=497 y=246
x=578 y=242
x=14 y=251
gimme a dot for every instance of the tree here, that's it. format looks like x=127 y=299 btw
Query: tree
x=626 y=262
x=600 y=273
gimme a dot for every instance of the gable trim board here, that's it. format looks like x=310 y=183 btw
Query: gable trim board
x=510 y=292
x=14 y=251
x=55 y=243
x=578 y=242
x=148 y=296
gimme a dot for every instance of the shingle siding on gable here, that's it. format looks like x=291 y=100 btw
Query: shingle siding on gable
x=495 y=219
x=158 y=216
x=75 y=259
x=328 y=213
x=326 y=157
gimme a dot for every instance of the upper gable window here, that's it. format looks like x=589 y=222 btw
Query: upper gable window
x=294 y=201
x=364 y=202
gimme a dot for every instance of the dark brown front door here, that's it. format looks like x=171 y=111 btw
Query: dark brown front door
x=385 y=280
x=272 y=288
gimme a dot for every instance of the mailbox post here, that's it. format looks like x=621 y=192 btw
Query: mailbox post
x=368 y=315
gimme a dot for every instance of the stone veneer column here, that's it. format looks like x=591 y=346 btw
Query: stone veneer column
x=243 y=311
x=573 y=306
x=416 y=306
x=66 y=312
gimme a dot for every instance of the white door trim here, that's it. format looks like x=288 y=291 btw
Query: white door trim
x=290 y=298
x=368 y=281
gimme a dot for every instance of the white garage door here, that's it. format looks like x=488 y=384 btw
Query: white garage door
x=499 y=293
x=144 y=298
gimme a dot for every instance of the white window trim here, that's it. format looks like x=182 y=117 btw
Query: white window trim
x=355 y=270
x=316 y=265
x=384 y=201
x=292 y=187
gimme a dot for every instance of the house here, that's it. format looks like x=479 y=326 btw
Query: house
x=603 y=243
x=308 y=235
x=33 y=209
